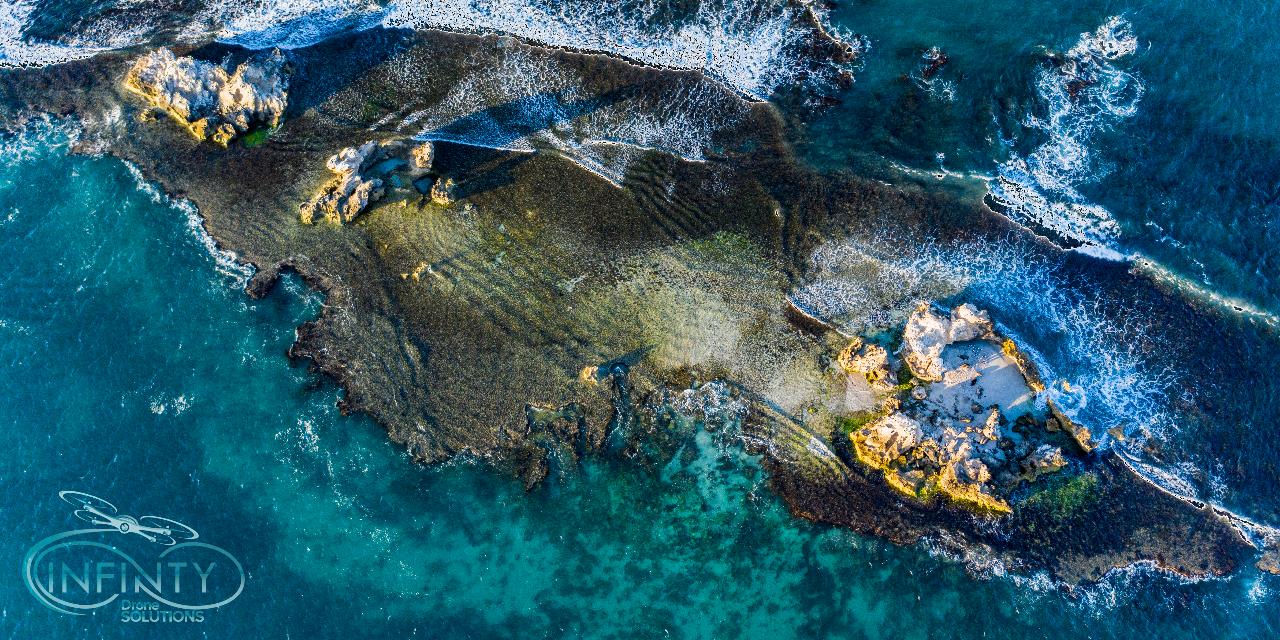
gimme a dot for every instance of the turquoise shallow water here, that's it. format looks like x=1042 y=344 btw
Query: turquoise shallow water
x=138 y=371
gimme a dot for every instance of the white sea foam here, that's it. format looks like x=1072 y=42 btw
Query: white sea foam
x=527 y=102
x=35 y=136
x=287 y=24
x=750 y=46
x=1118 y=587
x=1191 y=289
x=226 y=263
x=18 y=49
x=1083 y=95
x=712 y=402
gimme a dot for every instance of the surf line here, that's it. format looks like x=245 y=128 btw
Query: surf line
x=1162 y=274
x=1264 y=538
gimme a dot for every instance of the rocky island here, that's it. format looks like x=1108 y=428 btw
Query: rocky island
x=514 y=302
x=963 y=424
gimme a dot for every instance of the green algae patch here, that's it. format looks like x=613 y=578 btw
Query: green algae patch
x=848 y=424
x=1067 y=499
x=257 y=137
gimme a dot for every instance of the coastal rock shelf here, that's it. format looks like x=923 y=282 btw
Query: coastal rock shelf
x=531 y=308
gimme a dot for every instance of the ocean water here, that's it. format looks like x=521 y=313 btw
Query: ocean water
x=138 y=371
x=1176 y=144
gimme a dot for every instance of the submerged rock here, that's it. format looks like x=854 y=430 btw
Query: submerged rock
x=213 y=103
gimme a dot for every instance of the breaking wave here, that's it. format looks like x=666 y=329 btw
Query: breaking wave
x=543 y=106
x=1084 y=93
x=226 y=263
x=17 y=49
x=751 y=46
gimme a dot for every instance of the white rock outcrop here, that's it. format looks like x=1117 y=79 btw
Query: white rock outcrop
x=421 y=158
x=928 y=333
x=344 y=197
x=211 y=101
x=868 y=360
x=889 y=437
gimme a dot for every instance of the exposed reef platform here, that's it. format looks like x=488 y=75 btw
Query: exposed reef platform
x=544 y=291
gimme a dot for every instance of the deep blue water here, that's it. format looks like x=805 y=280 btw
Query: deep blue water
x=138 y=371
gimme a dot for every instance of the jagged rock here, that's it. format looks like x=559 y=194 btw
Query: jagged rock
x=1058 y=421
x=870 y=361
x=344 y=197
x=884 y=440
x=952 y=440
x=972 y=471
x=213 y=103
x=928 y=333
x=1044 y=460
x=442 y=192
x=421 y=158
x=964 y=482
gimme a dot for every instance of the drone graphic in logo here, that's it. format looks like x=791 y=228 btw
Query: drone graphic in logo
x=95 y=510
x=84 y=569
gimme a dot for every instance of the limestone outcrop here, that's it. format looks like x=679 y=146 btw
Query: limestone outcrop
x=443 y=192
x=888 y=438
x=928 y=333
x=869 y=360
x=362 y=175
x=966 y=428
x=212 y=102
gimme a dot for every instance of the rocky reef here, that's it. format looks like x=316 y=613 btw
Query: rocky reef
x=527 y=311
x=963 y=425
x=210 y=101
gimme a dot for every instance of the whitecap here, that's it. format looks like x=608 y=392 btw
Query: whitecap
x=1083 y=94
x=18 y=49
